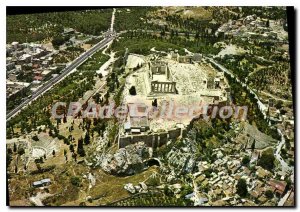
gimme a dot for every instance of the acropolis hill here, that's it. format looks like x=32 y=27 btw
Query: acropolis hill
x=167 y=82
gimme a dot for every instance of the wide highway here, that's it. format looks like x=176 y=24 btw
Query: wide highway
x=78 y=61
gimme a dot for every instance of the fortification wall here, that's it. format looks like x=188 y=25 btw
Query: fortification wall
x=151 y=140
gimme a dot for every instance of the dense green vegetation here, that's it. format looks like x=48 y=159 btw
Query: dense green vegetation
x=59 y=40
x=241 y=96
x=94 y=41
x=149 y=18
x=152 y=199
x=132 y=18
x=263 y=67
x=269 y=194
x=67 y=55
x=274 y=13
x=94 y=62
x=17 y=99
x=68 y=90
x=267 y=160
x=141 y=43
x=208 y=135
x=41 y=26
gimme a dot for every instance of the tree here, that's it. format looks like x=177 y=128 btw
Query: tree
x=185 y=190
x=197 y=36
x=53 y=152
x=167 y=191
x=21 y=151
x=80 y=149
x=38 y=166
x=172 y=33
x=66 y=141
x=71 y=147
x=15 y=147
x=35 y=138
x=74 y=155
x=9 y=151
x=8 y=158
x=267 y=160
x=154 y=103
x=268 y=23
x=288 y=184
x=187 y=35
x=87 y=139
x=269 y=194
x=50 y=133
x=132 y=91
x=97 y=98
x=241 y=188
x=279 y=104
x=59 y=40
x=246 y=160
x=253 y=145
x=65 y=119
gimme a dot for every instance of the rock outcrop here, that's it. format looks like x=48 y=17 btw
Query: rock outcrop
x=140 y=188
x=180 y=160
x=126 y=161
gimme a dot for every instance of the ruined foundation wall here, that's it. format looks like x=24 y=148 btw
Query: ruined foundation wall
x=152 y=140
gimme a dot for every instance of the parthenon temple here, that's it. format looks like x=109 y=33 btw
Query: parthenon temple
x=161 y=81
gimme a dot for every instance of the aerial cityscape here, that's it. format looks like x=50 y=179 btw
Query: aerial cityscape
x=150 y=106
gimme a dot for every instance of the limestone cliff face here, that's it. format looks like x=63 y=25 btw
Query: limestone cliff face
x=126 y=161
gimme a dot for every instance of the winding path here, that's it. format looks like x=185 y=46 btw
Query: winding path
x=284 y=166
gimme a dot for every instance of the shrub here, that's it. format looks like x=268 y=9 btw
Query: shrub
x=75 y=181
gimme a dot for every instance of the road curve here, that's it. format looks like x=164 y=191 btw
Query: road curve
x=285 y=167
